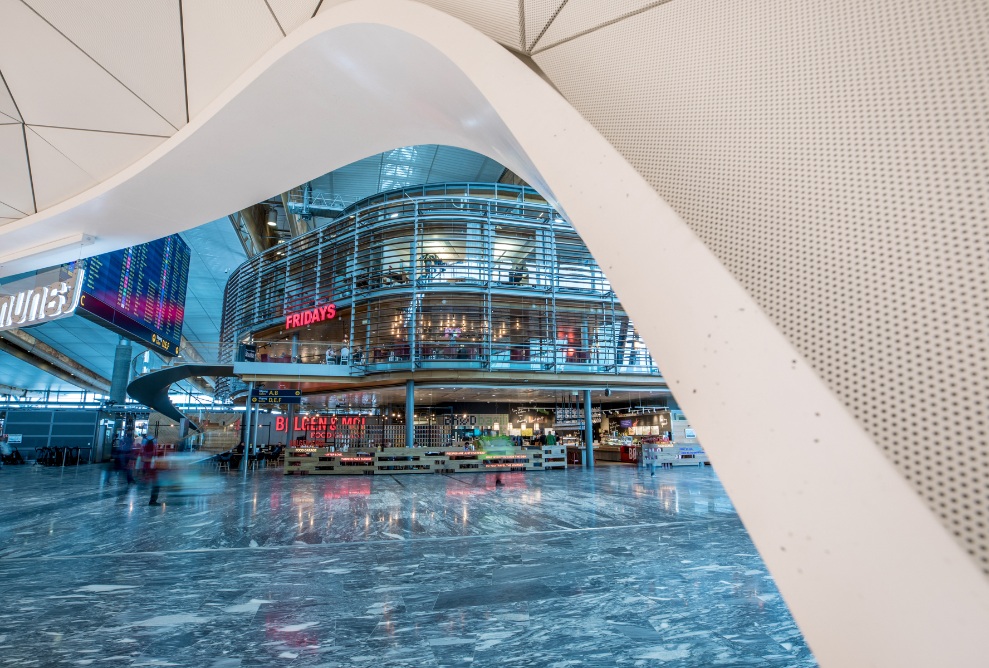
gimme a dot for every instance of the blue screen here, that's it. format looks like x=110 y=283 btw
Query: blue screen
x=139 y=292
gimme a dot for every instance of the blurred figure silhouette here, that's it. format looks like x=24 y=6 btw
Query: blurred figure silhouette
x=123 y=458
x=148 y=471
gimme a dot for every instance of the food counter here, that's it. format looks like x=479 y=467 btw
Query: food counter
x=315 y=460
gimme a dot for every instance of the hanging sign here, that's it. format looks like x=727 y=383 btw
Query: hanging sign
x=33 y=306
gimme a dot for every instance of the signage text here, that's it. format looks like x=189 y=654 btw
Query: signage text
x=41 y=304
x=310 y=316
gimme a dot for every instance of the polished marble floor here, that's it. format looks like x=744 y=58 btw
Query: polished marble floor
x=604 y=568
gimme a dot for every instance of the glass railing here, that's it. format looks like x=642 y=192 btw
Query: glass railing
x=191 y=352
x=534 y=355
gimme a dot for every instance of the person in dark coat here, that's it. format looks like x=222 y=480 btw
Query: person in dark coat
x=124 y=458
x=148 y=451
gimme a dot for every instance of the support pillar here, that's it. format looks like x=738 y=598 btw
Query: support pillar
x=410 y=408
x=257 y=425
x=588 y=431
x=118 y=383
x=247 y=425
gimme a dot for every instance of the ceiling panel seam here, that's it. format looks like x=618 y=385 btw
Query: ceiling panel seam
x=522 y=41
x=57 y=149
x=12 y=207
x=106 y=132
x=30 y=176
x=185 y=74
x=277 y=22
x=316 y=11
x=11 y=94
x=98 y=63
x=617 y=19
x=429 y=172
x=546 y=27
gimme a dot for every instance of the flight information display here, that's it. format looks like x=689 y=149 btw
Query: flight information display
x=139 y=292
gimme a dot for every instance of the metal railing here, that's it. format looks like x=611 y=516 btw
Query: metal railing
x=457 y=276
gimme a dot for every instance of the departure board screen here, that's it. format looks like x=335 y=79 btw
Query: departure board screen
x=139 y=292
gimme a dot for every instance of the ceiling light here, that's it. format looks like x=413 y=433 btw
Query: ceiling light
x=272 y=218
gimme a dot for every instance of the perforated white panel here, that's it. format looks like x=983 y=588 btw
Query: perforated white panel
x=55 y=83
x=537 y=17
x=834 y=156
x=293 y=13
x=99 y=154
x=498 y=19
x=140 y=43
x=15 y=182
x=58 y=178
x=7 y=107
x=222 y=39
x=577 y=16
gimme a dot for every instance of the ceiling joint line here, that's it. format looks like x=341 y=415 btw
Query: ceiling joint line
x=546 y=27
x=185 y=74
x=429 y=172
x=62 y=154
x=30 y=176
x=277 y=22
x=613 y=21
x=13 y=207
x=98 y=64
x=522 y=24
x=12 y=98
x=105 y=132
x=316 y=11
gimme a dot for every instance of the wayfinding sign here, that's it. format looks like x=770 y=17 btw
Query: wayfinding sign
x=262 y=396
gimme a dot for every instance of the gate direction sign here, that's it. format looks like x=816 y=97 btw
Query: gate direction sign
x=276 y=400
x=276 y=393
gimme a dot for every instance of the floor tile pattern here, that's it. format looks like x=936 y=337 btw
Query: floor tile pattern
x=604 y=568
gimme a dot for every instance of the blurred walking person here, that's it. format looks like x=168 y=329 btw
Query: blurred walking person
x=123 y=458
x=148 y=471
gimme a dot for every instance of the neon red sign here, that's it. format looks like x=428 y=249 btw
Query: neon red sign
x=320 y=427
x=310 y=316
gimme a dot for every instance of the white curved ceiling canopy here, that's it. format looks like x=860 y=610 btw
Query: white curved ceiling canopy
x=844 y=533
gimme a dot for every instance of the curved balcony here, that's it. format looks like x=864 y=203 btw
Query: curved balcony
x=485 y=277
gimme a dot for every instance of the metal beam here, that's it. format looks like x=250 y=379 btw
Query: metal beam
x=42 y=351
x=21 y=354
x=247 y=233
x=296 y=225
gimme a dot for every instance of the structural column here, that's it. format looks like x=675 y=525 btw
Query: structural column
x=588 y=431
x=118 y=386
x=410 y=408
x=290 y=433
x=257 y=424
x=247 y=425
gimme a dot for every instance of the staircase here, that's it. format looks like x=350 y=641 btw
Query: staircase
x=220 y=432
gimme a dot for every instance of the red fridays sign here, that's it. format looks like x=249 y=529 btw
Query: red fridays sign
x=303 y=318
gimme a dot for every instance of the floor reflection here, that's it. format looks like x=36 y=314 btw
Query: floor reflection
x=603 y=568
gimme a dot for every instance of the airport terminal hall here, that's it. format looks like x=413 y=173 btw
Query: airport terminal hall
x=535 y=333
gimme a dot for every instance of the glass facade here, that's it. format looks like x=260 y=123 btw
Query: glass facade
x=448 y=276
